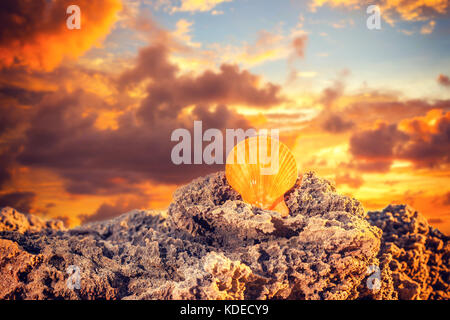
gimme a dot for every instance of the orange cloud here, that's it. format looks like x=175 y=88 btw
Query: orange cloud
x=353 y=182
x=443 y=80
x=299 y=44
x=428 y=28
x=198 y=5
x=423 y=141
x=34 y=33
x=391 y=10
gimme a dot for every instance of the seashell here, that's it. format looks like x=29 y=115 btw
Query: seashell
x=261 y=170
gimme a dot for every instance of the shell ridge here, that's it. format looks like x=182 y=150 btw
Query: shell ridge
x=247 y=179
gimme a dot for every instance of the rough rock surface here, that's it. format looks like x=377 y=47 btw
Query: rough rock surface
x=417 y=254
x=211 y=245
x=12 y=220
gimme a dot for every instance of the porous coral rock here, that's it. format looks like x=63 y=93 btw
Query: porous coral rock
x=417 y=254
x=321 y=251
x=12 y=220
x=211 y=245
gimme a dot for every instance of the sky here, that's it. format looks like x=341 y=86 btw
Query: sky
x=86 y=115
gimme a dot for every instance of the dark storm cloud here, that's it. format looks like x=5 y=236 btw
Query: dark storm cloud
x=389 y=107
x=108 y=211
x=377 y=143
x=429 y=148
x=5 y=173
x=20 y=95
x=8 y=118
x=113 y=161
x=368 y=106
x=152 y=62
x=18 y=200
x=14 y=102
x=330 y=119
x=330 y=94
x=376 y=149
x=8 y=152
x=169 y=93
x=83 y=180
x=335 y=123
x=94 y=161
x=215 y=119
x=22 y=19
x=60 y=131
x=228 y=86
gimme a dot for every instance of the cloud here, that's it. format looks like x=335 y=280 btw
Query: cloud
x=375 y=166
x=353 y=182
x=108 y=211
x=60 y=129
x=331 y=119
x=9 y=118
x=336 y=124
x=434 y=221
x=407 y=32
x=424 y=141
x=343 y=23
x=393 y=10
x=106 y=162
x=429 y=143
x=333 y=92
x=368 y=106
x=374 y=150
x=378 y=143
x=306 y=74
x=268 y=46
x=5 y=174
x=8 y=152
x=14 y=103
x=169 y=93
x=443 y=80
x=428 y=28
x=197 y=5
x=299 y=45
x=183 y=33
x=446 y=199
x=151 y=63
x=18 y=200
x=34 y=33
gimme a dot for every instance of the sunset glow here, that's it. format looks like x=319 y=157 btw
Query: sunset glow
x=86 y=115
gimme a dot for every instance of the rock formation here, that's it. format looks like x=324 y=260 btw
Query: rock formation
x=417 y=254
x=211 y=245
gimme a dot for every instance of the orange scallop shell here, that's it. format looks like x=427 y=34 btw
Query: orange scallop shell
x=259 y=181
